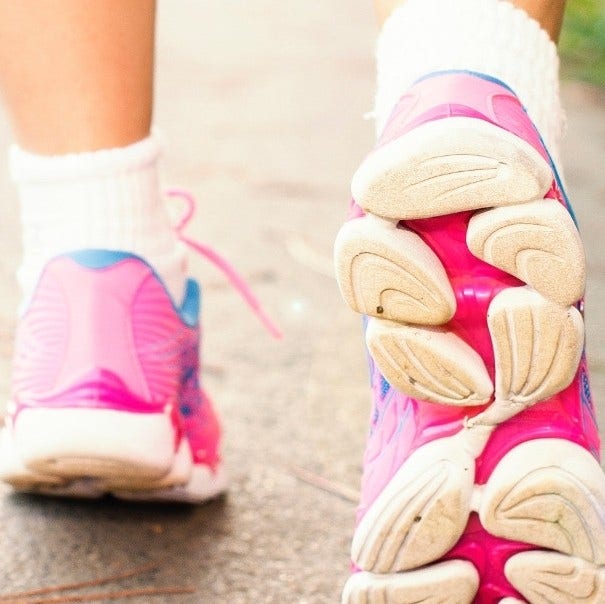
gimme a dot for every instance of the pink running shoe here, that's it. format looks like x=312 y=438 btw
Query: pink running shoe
x=106 y=395
x=481 y=476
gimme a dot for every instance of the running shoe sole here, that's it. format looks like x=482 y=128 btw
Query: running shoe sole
x=549 y=492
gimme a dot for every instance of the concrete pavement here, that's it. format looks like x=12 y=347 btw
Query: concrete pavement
x=261 y=106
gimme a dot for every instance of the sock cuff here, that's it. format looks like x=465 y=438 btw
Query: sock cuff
x=31 y=168
x=109 y=199
x=492 y=37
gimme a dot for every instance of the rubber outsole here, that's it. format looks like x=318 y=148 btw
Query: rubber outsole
x=130 y=456
x=448 y=166
x=392 y=274
x=537 y=242
x=549 y=493
x=546 y=577
x=421 y=513
x=456 y=582
x=429 y=363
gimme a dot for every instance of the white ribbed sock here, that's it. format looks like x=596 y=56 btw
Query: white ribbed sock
x=107 y=199
x=487 y=36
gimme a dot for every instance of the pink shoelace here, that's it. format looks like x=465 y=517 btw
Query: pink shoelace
x=225 y=267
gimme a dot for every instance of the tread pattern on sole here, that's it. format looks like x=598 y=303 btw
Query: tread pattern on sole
x=536 y=242
x=389 y=272
x=421 y=513
x=449 y=166
x=558 y=503
x=537 y=347
x=429 y=363
x=547 y=577
x=550 y=493
x=452 y=582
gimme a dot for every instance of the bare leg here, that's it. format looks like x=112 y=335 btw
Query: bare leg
x=77 y=76
x=549 y=13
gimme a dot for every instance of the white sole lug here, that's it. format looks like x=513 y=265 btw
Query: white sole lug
x=452 y=582
x=550 y=493
x=389 y=272
x=536 y=242
x=431 y=364
x=537 y=348
x=447 y=166
x=421 y=513
x=547 y=577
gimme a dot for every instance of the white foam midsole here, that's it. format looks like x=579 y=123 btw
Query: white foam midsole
x=47 y=437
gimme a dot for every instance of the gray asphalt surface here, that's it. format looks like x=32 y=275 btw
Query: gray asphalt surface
x=261 y=104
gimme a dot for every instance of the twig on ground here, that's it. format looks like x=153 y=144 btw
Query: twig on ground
x=108 y=595
x=40 y=591
x=335 y=488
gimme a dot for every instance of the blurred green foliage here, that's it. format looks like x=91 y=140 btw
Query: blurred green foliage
x=582 y=42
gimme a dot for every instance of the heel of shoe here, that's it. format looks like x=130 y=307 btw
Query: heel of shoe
x=72 y=443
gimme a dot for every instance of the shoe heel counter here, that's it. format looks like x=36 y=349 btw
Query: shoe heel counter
x=98 y=330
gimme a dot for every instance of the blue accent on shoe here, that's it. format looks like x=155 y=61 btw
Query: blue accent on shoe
x=99 y=259
x=585 y=393
x=186 y=410
x=384 y=387
x=568 y=205
x=190 y=308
